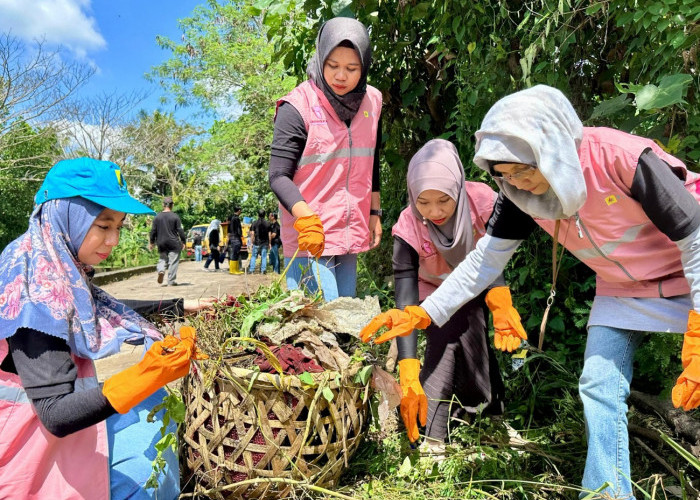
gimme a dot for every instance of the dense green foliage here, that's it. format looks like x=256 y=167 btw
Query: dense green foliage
x=22 y=164
x=441 y=65
x=225 y=66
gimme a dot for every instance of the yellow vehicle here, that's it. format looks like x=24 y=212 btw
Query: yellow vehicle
x=223 y=240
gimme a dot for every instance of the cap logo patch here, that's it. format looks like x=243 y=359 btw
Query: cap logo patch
x=120 y=179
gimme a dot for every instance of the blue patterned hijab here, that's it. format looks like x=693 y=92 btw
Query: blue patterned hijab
x=44 y=287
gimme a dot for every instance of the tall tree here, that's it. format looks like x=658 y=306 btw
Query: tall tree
x=155 y=145
x=35 y=82
x=29 y=158
x=93 y=126
x=225 y=64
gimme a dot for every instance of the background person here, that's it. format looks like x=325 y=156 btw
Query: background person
x=169 y=237
x=235 y=241
x=275 y=242
x=261 y=242
x=197 y=244
x=329 y=210
x=444 y=220
x=212 y=235
x=625 y=208
x=63 y=434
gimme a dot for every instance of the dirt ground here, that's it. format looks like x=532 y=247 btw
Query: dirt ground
x=193 y=283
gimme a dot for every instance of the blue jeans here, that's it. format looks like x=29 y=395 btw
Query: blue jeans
x=198 y=253
x=604 y=386
x=131 y=453
x=338 y=275
x=275 y=258
x=262 y=249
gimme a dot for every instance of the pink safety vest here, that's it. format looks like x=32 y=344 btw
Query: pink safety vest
x=35 y=464
x=433 y=269
x=334 y=174
x=630 y=256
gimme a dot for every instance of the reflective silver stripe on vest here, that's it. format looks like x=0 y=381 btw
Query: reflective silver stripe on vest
x=609 y=247
x=340 y=153
x=15 y=394
x=18 y=395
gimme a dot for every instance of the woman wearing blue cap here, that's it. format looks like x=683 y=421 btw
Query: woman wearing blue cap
x=62 y=435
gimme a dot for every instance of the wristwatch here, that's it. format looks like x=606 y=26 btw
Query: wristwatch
x=378 y=212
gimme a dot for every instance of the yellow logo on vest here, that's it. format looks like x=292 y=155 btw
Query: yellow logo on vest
x=366 y=114
x=611 y=199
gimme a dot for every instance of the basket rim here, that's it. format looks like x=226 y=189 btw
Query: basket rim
x=288 y=380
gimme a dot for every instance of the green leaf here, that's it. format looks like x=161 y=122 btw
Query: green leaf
x=253 y=317
x=557 y=324
x=328 y=394
x=307 y=379
x=421 y=10
x=678 y=40
x=523 y=22
x=405 y=468
x=611 y=106
x=670 y=91
x=342 y=8
x=470 y=47
x=624 y=19
x=176 y=408
x=362 y=377
x=689 y=457
x=594 y=8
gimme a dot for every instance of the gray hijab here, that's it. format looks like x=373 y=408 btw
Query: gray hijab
x=437 y=166
x=331 y=34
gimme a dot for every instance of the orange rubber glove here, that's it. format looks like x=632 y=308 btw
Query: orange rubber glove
x=165 y=361
x=414 y=403
x=686 y=392
x=311 y=237
x=508 y=331
x=400 y=323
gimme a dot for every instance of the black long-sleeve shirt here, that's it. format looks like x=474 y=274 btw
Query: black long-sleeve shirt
x=167 y=232
x=44 y=364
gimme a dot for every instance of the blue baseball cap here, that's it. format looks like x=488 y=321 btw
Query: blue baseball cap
x=98 y=181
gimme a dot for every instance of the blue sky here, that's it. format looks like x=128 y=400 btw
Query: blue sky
x=116 y=36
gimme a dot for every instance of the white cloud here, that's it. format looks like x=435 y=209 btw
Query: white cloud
x=64 y=22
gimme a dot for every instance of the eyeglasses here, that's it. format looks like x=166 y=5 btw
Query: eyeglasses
x=520 y=174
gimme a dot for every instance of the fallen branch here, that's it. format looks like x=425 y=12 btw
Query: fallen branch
x=680 y=421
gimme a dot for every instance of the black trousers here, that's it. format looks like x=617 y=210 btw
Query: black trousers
x=460 y=372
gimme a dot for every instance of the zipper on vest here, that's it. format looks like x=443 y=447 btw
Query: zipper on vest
x=582 y=228
x=347 y=192
x=578 y=226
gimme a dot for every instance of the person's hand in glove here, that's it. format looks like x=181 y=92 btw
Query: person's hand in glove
x=400 y=323
x=508 y=330
x=167 y=360
x=311 y=237
x=414 y=403
x=686 y=392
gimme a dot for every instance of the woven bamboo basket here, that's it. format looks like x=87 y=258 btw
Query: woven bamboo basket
x=247 y=432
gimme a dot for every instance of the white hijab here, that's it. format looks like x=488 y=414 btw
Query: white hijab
x=537 y=126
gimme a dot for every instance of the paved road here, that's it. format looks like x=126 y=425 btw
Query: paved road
x=193 y=283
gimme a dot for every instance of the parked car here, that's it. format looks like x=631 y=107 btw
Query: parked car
x=223 y=240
